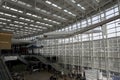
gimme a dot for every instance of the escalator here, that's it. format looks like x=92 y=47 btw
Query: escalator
x=4 y=72
x=22 y=59
x=54 y=65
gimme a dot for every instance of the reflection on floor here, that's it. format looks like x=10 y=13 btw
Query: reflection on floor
x=44 y=75
x=40 y=76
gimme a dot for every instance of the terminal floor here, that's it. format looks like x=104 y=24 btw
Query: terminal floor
x=39 y=76
x=43 y=75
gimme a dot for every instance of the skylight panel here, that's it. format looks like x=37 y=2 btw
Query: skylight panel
x=34 y=15
x=22 y=18
x=52 y=4
x=20 y=11
x=34 y=29
x=7 y=14
x=45 y=11
x=16 y=25
x=27 y=19
x=28 y=5
x=20 y=2
x=20 y=26
x=48 y=2
x=44 y=28
x=21 y=23
x=31 y=20
x=13 y=9
x=3 y=19
x=8 y=20
x=16 y=21
x=73 y=1
x=39 y=29
x=4 y=23
x=65 y=10
x=97 y=1
x=6 y=7
x=51 y=20
x=7 y=30
x=25 y=24
x=59 y=17
x=11 y=24
x=80 y=6
x=28 y=14
x=30 y=28
x=38 y=22
x=26 y=27
x=8 y=27
x=14 y=16
x=31 y=25
x=69 y=12
x=56 y=6
x=37 y=8
x=39 y=17
x=14 y=0
x=1 y=13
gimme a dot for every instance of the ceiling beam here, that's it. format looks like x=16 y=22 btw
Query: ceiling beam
x=24 y=15
x=17 y=19
x=64 y=6
x=91 y=5
x=59 y=10
x=29 y=17
x=94 y=2
x=24 y=30
x=91 y=27
x=75 y=6
x=19 y=25
x=103 y=7
x=36 y=11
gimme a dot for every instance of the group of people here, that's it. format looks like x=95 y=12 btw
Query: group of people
x=71 y=76
x=54 y=77
x=17 y=76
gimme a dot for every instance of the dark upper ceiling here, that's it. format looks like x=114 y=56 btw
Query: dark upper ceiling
x=32 y=17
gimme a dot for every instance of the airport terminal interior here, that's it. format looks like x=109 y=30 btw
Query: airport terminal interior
x=59 y=39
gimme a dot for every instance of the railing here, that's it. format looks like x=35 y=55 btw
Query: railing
x=54 y=65
x=4 y=72
x=43 y=59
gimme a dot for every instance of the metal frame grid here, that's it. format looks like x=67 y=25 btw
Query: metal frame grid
x=94 y=50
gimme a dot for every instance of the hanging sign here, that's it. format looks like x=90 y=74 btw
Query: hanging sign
x=5 y=40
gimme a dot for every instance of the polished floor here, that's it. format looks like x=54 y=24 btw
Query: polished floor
x=38 y=76
x=43 y=75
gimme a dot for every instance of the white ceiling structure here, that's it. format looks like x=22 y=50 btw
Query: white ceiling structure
x=34 y=17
